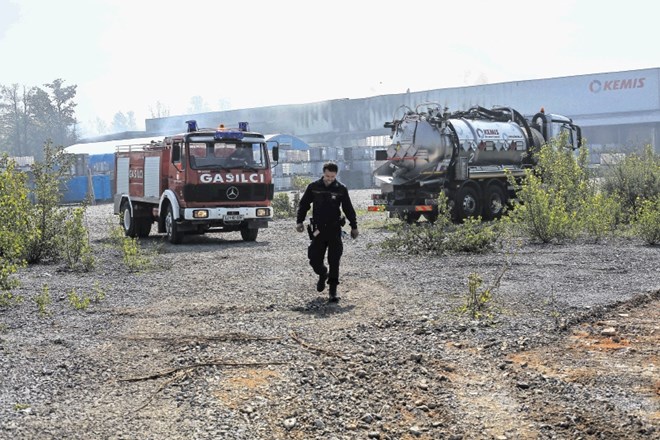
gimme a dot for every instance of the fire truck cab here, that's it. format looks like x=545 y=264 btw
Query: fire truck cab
x=204 y=180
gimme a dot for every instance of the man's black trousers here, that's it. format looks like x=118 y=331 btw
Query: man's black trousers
x=330 y=240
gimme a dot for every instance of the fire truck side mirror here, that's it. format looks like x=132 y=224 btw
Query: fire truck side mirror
x=176 y=152
x=276 y=153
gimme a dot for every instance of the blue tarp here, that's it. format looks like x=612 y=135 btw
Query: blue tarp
x=76 y=189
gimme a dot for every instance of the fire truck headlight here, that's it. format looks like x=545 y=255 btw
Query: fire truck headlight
x=201 y=213
x=263 y=212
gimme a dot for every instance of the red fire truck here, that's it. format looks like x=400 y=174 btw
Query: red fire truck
x=204 y=180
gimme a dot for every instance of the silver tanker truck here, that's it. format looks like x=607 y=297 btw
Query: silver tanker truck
x=465 y=154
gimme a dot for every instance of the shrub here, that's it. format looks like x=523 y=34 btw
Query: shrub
x=82 y=301
x=299 y=183
x=442 y=236
x=134 y=257
x=635 y=179
x=282 y=206
x=46 y=218
x=647 y=221
x=14 y=204
x=550 y=197
x=600 y=215
x=472 y=236
x=415 y=239
x=73 y=242
x=43 y=300
x=477 y=299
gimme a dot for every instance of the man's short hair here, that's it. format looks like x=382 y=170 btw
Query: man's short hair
x=330 y=166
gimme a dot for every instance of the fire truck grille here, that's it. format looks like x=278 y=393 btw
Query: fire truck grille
x=228 y=193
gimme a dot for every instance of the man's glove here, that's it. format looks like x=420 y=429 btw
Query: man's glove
x=354 y=233
x=299 y=227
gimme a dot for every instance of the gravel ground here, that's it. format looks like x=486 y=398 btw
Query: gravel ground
x=224 y=339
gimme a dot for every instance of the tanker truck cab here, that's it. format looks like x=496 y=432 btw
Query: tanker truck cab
x=205 y=180
x=554 y=126
x=466 y=155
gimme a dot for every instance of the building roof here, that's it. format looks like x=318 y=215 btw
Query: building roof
x=286 y=141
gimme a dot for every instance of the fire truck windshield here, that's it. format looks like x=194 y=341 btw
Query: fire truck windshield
x=227 y=155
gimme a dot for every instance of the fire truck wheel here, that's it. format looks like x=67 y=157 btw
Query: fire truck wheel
x=144 y=227
x=128 y=221
x=174 y=236
x=249 y=234
x=468 y=202
x=494 y=202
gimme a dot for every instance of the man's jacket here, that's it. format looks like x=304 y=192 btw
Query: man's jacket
x=328 y=203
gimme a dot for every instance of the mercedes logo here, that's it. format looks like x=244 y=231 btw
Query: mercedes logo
x=232 y=192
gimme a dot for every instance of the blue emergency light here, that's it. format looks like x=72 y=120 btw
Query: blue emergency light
x=192 y=125
x=228 y=134
x=243 y=126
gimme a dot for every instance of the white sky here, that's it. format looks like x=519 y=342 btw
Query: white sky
x=125 y=55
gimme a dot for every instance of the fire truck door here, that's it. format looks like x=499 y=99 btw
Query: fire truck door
x=176 y=176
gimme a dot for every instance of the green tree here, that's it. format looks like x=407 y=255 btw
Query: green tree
x=31 y=115
x=119 y=123
x=130 y=123
x=62 y=113
x=159 y=110
x=198 y=105
x=15 y=118
x=46 y=219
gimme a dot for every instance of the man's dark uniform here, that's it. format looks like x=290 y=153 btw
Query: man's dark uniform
x=326 y=218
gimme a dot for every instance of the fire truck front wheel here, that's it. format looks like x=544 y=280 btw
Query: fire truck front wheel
x=128 y=222
x=249 y=234
x=174 y=236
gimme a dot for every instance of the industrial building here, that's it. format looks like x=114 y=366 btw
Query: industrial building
x=618 y=112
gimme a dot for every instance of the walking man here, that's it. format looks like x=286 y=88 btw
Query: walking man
x=328 y=196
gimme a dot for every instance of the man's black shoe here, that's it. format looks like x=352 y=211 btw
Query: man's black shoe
x=333 y=294
x=320 y=285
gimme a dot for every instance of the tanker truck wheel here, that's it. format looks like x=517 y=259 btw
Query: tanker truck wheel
x=468 y=203
x=431 y=217
x=128 y=221
x=410 y=217
x=494 y=202
x=174 y=236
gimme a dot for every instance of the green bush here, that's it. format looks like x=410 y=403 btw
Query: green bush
x=73 y=243
x=635 y=179
x=299 y=183
x=282 y=206
x=550 y=197
x=442 y=236
x=541 y=213
x=33 y=225
x=476 y=303
x=600 y=215
x=473 y=236
x=647 y=221
x=415 y=239
x=82 y=301
x=134 y=257
x=14 y=206
x=43 y=300
x=46 y=218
